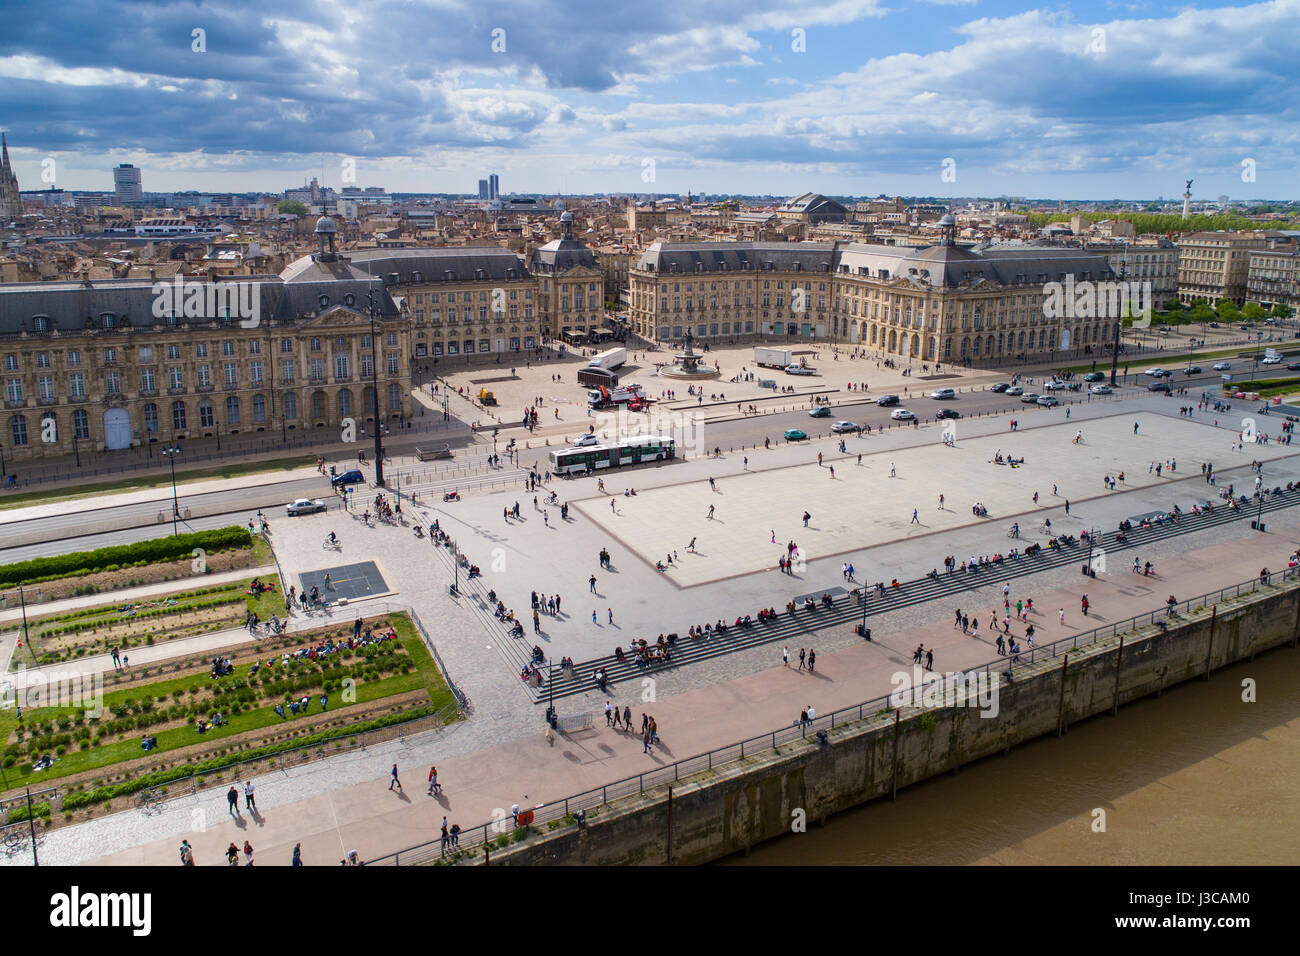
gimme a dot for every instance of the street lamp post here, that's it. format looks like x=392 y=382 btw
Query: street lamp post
x=171 y=453
x=27 y=639
x=1119 y=324
x=374 y=390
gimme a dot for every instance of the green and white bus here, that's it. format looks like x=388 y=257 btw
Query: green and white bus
x=628 y=451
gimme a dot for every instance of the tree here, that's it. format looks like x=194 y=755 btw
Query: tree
x=1254 y=312
x=1227 y=310
x=1200 y=312
x=1282 y=311
x=291 y=207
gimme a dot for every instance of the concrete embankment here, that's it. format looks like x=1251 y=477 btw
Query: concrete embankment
x=730 y=808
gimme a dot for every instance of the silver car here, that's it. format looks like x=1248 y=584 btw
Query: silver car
x=304 y=506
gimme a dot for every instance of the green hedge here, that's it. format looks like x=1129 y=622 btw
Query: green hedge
x=153 y=551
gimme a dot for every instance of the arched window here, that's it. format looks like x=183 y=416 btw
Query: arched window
x=81 y=424
x=18 y=430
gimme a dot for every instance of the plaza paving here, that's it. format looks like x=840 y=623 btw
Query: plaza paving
x=859 y=506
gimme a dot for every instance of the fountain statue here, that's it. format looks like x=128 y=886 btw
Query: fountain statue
x=688 y=363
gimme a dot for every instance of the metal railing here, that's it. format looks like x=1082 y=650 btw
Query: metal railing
x=501 y=831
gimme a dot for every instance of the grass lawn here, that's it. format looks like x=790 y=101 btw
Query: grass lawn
x=425 y=676
x=138 y=482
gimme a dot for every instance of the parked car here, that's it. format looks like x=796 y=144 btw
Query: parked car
x=841 y=427
x=1095 y=377
x=799 y=370
x=940 y=394
x=1015 y=390
x=1293 y=367
x=821 y=411
x=794 y=434
x=1272 y=360
x=902 y=415
x=1192 y=370
x=304 y=506
x=1160 y=387
x=1101 y=390
x=947 y=413
x=1156 y=372
x=1000 y=387
x=1221 y=366
x=352 y=477
x=1047 y=401
x=1214 y=325
x=585 y=440
x=884 y=400
x=1054 y=385
x=1029 y=398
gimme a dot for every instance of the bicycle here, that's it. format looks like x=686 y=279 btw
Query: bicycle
x=150 y=800
x=329 y=545
x=1013 y=533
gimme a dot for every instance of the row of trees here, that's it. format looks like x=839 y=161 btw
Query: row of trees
x=1225 y=310
x=1145 y=223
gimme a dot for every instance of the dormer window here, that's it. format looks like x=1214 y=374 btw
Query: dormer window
x=323 y=300
x=107 y=320
x=349 y=299
x=41 y=323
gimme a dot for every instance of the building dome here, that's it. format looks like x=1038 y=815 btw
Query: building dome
x=566 y=217
x=947 y=220
x=326 y=224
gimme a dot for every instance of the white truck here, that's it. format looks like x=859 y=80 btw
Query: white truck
x=619 y=395
x=773 y=358
x=609 y=359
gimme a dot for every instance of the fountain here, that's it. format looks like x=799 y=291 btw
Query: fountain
x=688 y=364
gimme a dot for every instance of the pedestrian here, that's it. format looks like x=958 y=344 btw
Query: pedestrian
x=941 y=502
x=801 y=658
x=1067 y=506
x=434 y=786
x=920 y=652
x=395 y=782
x=1061 y=615
x=812 y=661
x=1083 y=603
x=645 y=741
x=785 y=657
x=915 y=520
x=249 y=802
x=248 y=853
x=592 y=583
x=232 y=800
x=610 y=610
x=893 y=472
x=297 y=855
x=691 y=546
x=444 y=836
x=627 y=717
x=187 y=853
x=609 y=714
x=929 y=660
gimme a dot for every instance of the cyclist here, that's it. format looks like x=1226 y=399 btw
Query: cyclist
x=1015 y=529
x=328 y=586
x=332 y=539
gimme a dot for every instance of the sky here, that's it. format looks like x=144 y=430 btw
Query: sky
x=1070 y=100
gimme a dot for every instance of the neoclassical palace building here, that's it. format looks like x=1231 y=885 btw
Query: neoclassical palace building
x=943 y=302
x=122 y=362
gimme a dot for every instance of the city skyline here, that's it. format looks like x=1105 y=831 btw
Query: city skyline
x=856 y=98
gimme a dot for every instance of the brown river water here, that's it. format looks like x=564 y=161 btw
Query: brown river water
x=1193 y=777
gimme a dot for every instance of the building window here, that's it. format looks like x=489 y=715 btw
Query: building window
x=175 y=377
x=315 y=345
x=206 y=418
x=291 y=406
x=230 y=371
x=151 y=418
x=392 y=362
x=345 y=403
x=178 y=416
x=43 y=359
x=318 y=405
x=286 y=346
x=74 y=358
x=255 y=347
x=394 y=397
x=80 y=425
x=200 y=351
x=45 y=388
x=113 y=383
x=366 y=366
x=259 y=408
x=342 y=367
x=255 y=372
x=232 y=410
x=18 y=430
x=77 y=385
x=41 y=323
x=205 y=376
x=146 y=379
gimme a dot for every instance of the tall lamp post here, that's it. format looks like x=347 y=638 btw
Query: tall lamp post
x=22 y=599
x=171 y=452
x=1119 y=323
x=374 y=389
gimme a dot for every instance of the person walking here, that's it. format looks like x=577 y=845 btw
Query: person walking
x=785 y=657
x=1067 y=506
x=395 y=782
x=187 y=853
x=919 y=652
x=893 y=472
x=929 y=659
x=232 y=855
x=915 y=519
x=1061 y=614
x=250 y=803
x=812 y=661
x=627 y=718
x=1083 y=604
x=248 y=853
x=801 y=658
x=297 y=855
x=444 y=836
x=609 y=714
x=645 y=741
x=434 y=786
x=232 y=800
x=610 y=612
x=941 y=502
x=591 y=583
